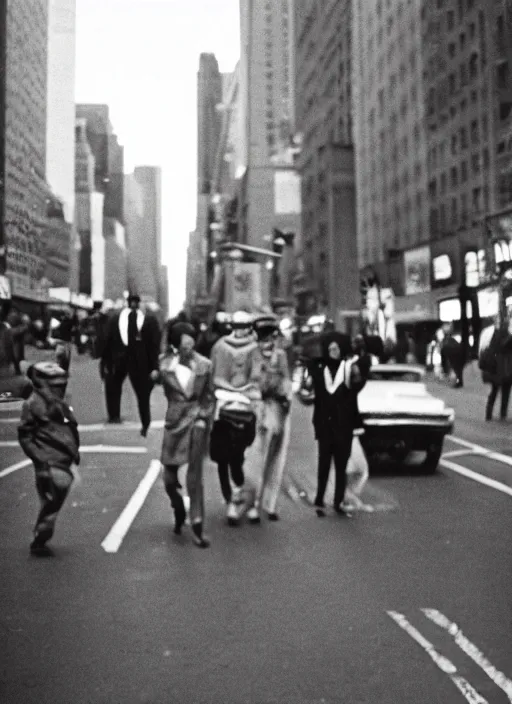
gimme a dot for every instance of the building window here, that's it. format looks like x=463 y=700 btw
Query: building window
x=452 y=48
x=464 y=172
x=450 y=18
x=463 y=138
x=475 y=163
x=443 y=183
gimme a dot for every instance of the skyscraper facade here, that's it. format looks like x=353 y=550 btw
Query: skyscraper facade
x=391 y=146
x=143 y=207
x=60 y=124
x=266 y=109
x=24 y=28
x=326 y=163
x=209 y=98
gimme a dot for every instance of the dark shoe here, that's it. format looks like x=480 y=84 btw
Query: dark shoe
x=144 y=431
x=197 y=535
x=320 y=509
x=273 y=517
x=39 y=549
x=115 y=421
x=180 y=516
x=342 y=510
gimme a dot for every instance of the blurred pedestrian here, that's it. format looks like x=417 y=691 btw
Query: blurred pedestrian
x=495 y=362
x=13 y=385
x=455 y=356
x=337 y=380
x=271 y=373
x=48 y=435
x=131 y=348
x=20 y=325
x=188 y=386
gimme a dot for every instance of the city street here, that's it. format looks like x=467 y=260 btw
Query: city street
x=408 y=603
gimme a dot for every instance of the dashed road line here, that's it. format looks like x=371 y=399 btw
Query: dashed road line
x=470 y=649
x=117 y=533
x=443 y=663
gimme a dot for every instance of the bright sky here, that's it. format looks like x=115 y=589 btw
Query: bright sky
x=141 y=58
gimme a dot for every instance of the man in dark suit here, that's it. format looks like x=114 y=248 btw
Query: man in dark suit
x=131 y=348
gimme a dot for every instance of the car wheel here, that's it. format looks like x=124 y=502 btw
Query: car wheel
x=431 y=461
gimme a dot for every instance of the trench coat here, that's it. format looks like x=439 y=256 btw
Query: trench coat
x=186 y=406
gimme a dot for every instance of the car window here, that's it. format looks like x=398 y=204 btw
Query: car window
x=394 y=375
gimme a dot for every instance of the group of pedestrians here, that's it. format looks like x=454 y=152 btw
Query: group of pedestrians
x=495 y=362
x=239 y=397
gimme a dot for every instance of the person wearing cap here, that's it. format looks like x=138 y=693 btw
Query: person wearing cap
x=187 y=381
x=48 y=435
x=132 y=347
x=271 y=373
x=232 y=359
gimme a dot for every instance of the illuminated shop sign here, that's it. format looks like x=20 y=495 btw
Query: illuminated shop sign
x=442 y=268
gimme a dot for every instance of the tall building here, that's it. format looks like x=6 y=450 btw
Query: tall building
x=265 y=110
x=468 y=52
x=209 y=97
x=143 y=207
x=391 y=142
x=24 y=32
x=109 y=184
x=329 y=281
x=60 y=123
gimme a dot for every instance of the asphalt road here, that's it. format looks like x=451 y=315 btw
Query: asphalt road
x=409 y=603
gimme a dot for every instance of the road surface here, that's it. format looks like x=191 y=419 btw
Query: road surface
x=410 y=603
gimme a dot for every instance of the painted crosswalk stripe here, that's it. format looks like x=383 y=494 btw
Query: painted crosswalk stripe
x=465 y=688
x=14 y=468
x=476 y=476
x=499 y=679
x=117 y=533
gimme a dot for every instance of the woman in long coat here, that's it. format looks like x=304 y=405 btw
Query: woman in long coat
x=188 y=386
x=271 y=374
x=337 y=381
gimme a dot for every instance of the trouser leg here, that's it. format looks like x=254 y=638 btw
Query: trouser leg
x=52 y=488
x=276 y=470
x=172 y=485
x=341 y=453
x=491 y=400
x=505 y=398
x=236 y=466
x=142 y=388
x=114 y=380
x=225 y=484
x=324 y=468
x=195 y=474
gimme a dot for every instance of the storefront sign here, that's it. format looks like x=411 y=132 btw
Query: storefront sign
x=287 y=192
x=488 y=302
x=442 y=268
x=243 y=286
x=417 y=270
x=450 y=310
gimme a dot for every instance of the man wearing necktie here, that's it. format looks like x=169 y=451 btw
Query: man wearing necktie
x=132 y=349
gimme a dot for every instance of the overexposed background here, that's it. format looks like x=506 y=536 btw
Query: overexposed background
x=141 y=57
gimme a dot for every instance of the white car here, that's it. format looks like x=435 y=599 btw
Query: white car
x=401 y=417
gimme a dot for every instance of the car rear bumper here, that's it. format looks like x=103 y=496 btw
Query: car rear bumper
x=404 y=434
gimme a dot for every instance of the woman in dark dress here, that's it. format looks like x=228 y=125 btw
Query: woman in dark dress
x=337 y=381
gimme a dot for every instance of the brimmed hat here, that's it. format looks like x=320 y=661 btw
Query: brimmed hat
x=48 y=371
x=266 y=326
x=133 y=297
x=241 y=319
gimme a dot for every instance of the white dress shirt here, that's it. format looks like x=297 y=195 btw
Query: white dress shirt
x=123 y=323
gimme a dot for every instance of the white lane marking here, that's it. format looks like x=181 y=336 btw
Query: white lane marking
x=465 y=688
x=499 y=679
x=456 y=453
x=480 y=450
x=9 y=420
x=14 y=468
x=9 y=443
x=97 y=427
x=476 y=476
x=113 y=449
x=117 y=533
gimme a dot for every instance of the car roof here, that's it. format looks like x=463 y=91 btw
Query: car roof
x=405 y=368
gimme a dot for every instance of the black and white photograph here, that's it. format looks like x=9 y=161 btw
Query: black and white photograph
x=255 y=351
